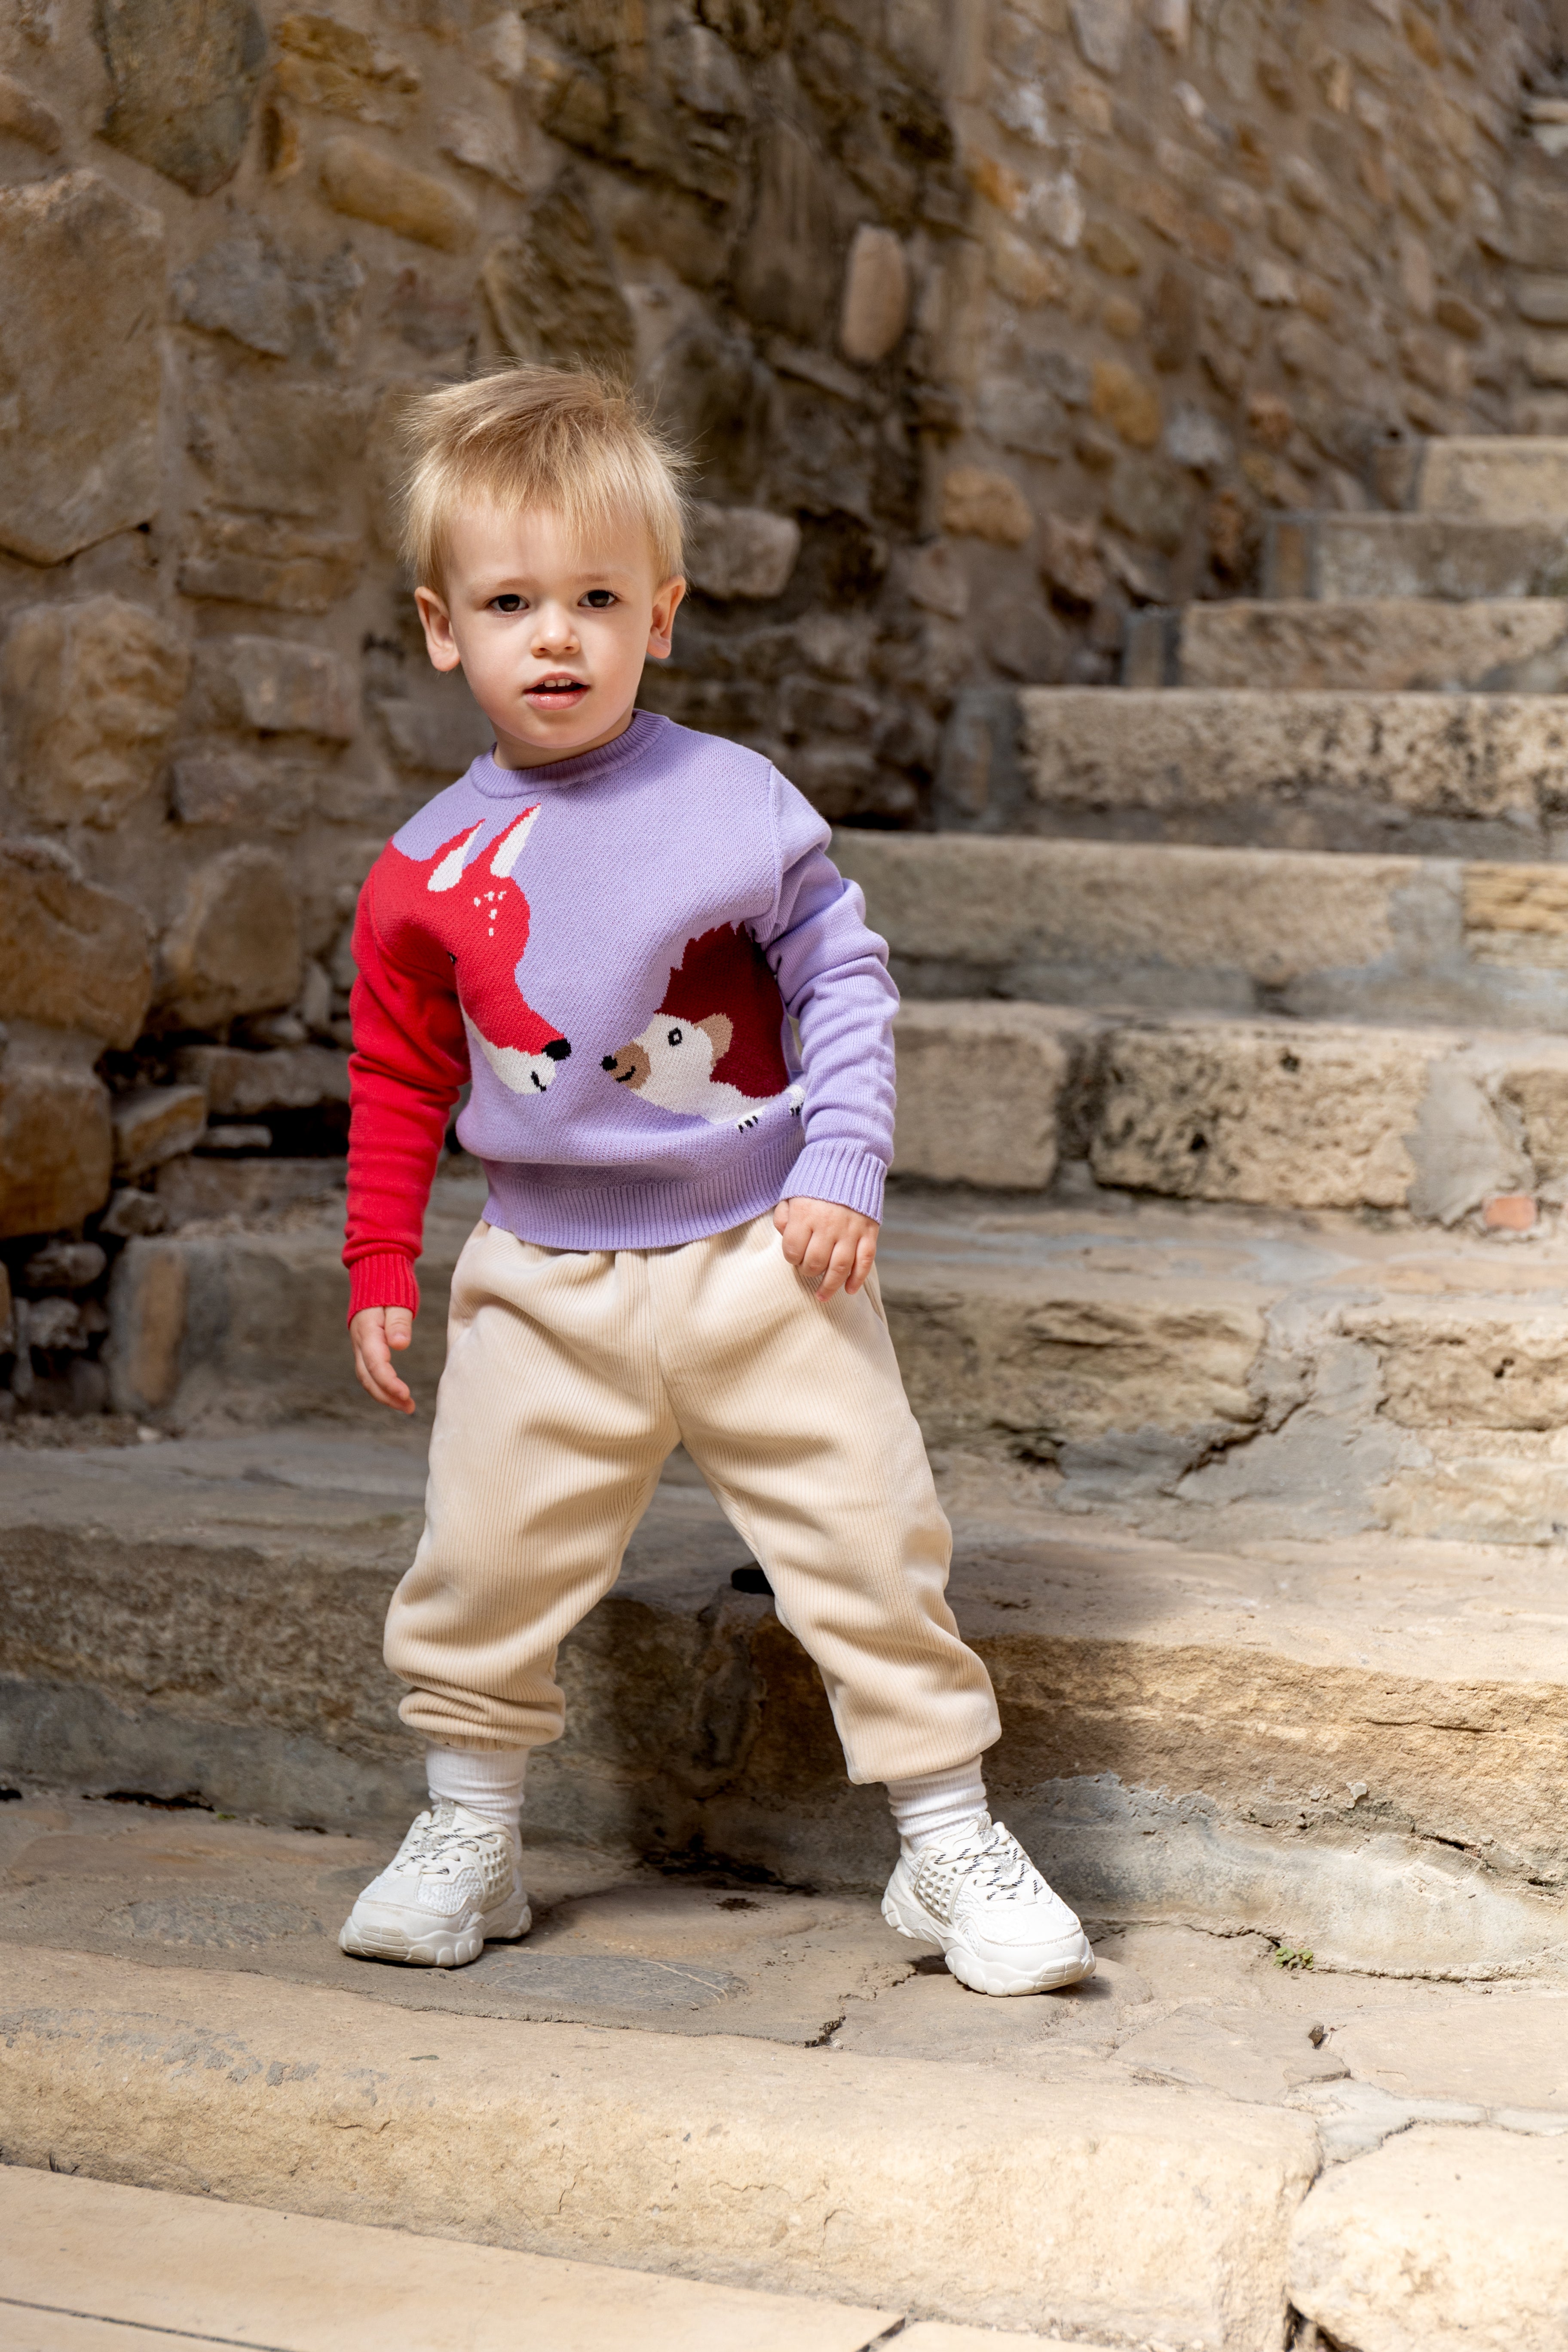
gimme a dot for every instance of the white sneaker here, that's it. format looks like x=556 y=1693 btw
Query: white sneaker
x=1000 y=1927
x=455 y=1884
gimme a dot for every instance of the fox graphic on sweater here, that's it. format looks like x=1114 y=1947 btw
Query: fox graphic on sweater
x=487 y=915
x=714 y=1049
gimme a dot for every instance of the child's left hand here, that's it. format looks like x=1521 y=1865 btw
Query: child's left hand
x=822 y=1238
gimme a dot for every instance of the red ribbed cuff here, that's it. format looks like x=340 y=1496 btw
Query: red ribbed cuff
x=386 y=1279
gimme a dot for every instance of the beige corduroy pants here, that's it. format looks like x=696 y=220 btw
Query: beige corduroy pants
x=569 y=1376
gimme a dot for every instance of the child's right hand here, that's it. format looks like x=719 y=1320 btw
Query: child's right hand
x=375 y=1331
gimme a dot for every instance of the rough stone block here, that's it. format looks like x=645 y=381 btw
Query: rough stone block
x=876 y=305
x=90 y=694
x=191 y=1191
x=23 y=116
x=238 y=789
x=1382 y=645
x=977 y=504
x=147 y=1306
x=184 y=75
x=1454 y=557
x=1308 y=1118
x=71 y=956
x=1495 y=478
x=152 y=1124
x=56 y=1150
x=330 y=66
x=1126 y=402
x=81 y=274
x=237 y=1085
x=1181 y=753
x=279 y=687
x=267 y=560
x=277 y=446
x=235 y=946
x=1449 y=2239
x=979 y=1091
x=240 y=287
x=742 y=551
x=553 y=292
x=358 y=179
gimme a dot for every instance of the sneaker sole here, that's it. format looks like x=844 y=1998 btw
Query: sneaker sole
x=1068 y=1967
x=437 y=1947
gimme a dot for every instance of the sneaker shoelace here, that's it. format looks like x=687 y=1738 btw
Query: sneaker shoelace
x=436 y=1847
x=993 y=1860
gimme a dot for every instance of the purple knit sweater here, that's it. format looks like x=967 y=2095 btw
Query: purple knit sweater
x=610 y=945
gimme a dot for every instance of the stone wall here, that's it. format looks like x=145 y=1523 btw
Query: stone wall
x=987 y=321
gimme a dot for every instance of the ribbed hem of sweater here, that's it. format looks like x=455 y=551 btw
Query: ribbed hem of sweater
x=582 y=1216
x=385 y=1279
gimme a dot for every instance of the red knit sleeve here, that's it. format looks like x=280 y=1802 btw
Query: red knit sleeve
x=410 y=1061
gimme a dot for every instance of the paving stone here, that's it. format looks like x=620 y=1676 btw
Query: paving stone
x=1513 y=2053
x=90 y=692
x=1448 y=556
x=81 y=269
x=587 y=2130
x=183 y=78
x=71 y=956
x=157 y=2261
x=1443 y=2237
x=1383 y=644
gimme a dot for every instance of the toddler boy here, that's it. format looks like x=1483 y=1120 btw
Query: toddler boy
x=606 y=924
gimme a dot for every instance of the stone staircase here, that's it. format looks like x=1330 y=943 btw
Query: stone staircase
x=1228 y=1267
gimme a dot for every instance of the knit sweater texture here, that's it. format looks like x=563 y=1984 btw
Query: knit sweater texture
x=612 y=948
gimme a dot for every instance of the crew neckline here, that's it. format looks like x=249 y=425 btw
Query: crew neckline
x=582 y=768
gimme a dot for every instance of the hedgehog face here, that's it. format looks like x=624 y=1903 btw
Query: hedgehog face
x=672 y=1062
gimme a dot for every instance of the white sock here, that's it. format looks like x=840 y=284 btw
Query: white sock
x=937 y=1805
x=489 y=1780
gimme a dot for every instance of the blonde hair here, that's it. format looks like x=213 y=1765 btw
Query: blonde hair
x=563 y=438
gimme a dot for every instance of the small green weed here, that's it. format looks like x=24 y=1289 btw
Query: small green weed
x=1292 y=1956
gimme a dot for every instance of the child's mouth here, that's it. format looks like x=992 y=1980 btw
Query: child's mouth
x=555 y=693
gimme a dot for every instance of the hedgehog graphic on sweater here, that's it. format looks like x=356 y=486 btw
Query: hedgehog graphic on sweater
x=714 y=1049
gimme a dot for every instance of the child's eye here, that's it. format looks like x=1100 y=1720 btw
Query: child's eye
x=599 y=600
x=508 y=604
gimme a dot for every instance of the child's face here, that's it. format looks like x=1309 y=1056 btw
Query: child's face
x=552 y=634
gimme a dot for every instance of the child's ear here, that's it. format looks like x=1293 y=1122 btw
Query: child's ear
x=437 y=621
x=661 y=627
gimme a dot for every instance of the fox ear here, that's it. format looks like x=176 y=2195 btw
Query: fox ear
x=719 y=1029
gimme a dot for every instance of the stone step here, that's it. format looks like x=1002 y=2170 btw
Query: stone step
x=1169 y=927
x=1443 y=775
x=208 y=2133
x=1386 y=645
x=1456 y=557
x=797 y=2172
x=1265 y=1513
x=156 y=2270
x=1496 y=478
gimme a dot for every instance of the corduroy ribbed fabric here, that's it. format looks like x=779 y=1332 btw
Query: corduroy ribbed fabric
x=570 y=1377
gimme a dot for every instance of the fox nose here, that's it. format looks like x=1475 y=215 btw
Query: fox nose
x=558 y=1049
